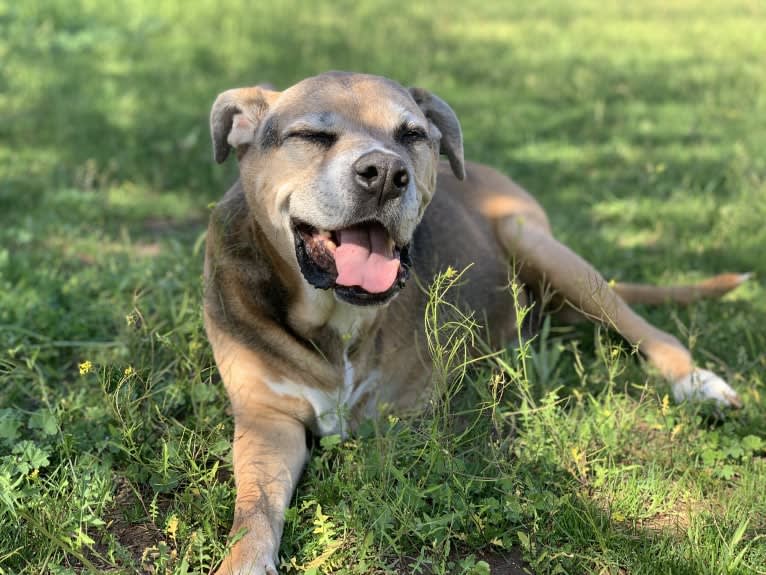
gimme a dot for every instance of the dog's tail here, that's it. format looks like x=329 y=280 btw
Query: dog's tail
x=713 y=287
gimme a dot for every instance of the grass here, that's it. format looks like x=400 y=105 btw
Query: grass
x=638 y=126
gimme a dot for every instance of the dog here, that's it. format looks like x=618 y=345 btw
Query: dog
x=342 y=197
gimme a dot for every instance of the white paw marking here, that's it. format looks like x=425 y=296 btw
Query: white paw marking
x=702 y=385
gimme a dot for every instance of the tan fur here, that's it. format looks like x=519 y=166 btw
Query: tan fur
x=289 y=354
x=714 y=287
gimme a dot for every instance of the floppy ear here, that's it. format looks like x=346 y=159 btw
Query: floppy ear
x=235 y=117
x=444 y=118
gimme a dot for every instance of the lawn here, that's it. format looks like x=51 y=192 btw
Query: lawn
x=641 y=127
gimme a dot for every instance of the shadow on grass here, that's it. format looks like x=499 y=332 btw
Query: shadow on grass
x=533 y=509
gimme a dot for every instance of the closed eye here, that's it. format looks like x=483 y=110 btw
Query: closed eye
x=408 y=135
x=324 y=139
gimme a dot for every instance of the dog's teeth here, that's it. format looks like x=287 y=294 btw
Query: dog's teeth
x=324 y=233
x=390 y=245
x=330 y=245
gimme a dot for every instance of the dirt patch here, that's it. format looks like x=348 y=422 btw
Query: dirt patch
x=136 y=538
x=509 y=563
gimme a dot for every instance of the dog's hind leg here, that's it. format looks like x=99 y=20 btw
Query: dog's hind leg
x=542 y=258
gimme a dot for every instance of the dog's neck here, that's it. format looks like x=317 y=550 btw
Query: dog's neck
x=316 y=310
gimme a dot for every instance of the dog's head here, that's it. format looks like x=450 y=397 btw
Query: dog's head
x=338 y=171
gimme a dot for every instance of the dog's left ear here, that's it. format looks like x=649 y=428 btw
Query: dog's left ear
x=444 y=118
x=235 y=117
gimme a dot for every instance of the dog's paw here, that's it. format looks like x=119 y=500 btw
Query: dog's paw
x=249 y=557
x=264 y=567
x=703 y=385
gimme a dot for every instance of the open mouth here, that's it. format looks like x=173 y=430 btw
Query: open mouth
x=361 y=263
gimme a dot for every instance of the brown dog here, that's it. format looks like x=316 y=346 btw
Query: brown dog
x=308 y=254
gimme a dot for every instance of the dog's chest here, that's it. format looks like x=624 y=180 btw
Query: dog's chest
x=353 y=395
x=335 y=409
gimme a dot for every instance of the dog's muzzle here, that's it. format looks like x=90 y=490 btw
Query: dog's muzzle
x=361 y=263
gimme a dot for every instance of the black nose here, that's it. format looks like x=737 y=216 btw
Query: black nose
x=381 y=174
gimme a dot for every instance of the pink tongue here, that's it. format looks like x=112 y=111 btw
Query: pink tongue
x=363 y=259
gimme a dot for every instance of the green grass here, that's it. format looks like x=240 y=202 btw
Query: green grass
x=640 y=128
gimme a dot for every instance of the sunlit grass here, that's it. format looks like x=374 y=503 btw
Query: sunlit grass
x=636 y=125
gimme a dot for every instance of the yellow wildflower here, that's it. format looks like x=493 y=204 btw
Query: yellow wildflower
x=172 y=526
x=85 y=367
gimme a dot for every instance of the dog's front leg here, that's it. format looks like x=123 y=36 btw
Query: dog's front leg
x=269 y=454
